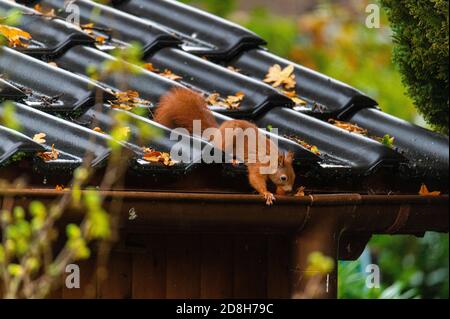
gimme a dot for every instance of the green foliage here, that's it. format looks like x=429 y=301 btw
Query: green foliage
x=410 y=268
x=8 y=118
x=11 y=17
x=319 y=263
x=421 y=39
x=388 y=141
x=218 y=7
x=282 y=34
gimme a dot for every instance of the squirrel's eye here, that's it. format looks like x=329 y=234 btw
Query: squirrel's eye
x=283 y=178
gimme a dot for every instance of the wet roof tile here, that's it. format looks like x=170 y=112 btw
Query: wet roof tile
x=178 y=37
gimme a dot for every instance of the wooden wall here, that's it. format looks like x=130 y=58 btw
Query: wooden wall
x=191 y=266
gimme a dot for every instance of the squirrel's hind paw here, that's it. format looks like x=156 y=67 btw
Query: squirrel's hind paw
x=270 y=198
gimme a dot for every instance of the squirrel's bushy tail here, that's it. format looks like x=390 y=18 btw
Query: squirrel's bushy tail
x=180 y=107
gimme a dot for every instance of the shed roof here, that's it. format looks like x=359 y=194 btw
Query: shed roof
x=59 y=101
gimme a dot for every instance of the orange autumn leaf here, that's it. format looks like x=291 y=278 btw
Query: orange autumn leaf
x=294 y=97
x=150 y=67
x=300 y=191
x=425 y=192
x=231 y=102
x=352 y=128
x=281 y=77
x=127 y=100
x=158 y=157
x=88 y=28
x=47 y=12
x=50 y=155
x=170 y=75
x=14 y=36
x=234 y=101
x=312 y=148
x=100 y=40
x=98 y=130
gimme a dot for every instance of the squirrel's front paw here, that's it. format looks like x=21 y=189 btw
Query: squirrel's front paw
x=270 y=199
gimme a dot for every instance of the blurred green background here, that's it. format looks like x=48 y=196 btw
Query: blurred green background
x=331 y=37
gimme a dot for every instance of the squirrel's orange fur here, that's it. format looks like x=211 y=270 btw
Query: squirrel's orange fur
x=180 y=107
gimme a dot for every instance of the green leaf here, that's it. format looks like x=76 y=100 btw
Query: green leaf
x=388 y=141
x=15 y=270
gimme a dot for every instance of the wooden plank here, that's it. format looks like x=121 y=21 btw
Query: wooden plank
x=278 y=254
x=250 y=267
x=117 y=284
x=88 y=282
x=149 y=269
x=216 y=267
x=183 y=266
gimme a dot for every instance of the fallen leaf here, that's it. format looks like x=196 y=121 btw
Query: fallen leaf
x=88 y=28
x=213 y=98
x=294 y=97
x=100 y=40
x=425 y=192
x=349 y=127
x=150 y=67
x=312 y=148
x=234 y=101
x=39 y=138
x=231 y=102
x=159 y=157
x=14 y=36
x=170 y=75
x=300 y=191
x=98 y=130
x=50 y=155
x=127 y=100
x=281 y=77
x=232 y=68
x=47 y=12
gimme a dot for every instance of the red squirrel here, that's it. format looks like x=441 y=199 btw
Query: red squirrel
x=180 y=107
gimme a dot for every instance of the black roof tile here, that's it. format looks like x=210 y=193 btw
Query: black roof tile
x=67 y=137
x=426 y=151
x=343 y=155
x=124 y=27
x=210 y=78
x=361 y=153
x=50 y=37
x=334 y=97
x=150 y=85
x=13 y=143
x=161 y=140
x=203 y=33
x=48 y=87
x=10 y=92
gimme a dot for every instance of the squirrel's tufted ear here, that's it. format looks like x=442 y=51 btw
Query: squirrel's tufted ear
x=290 y=157
x=281 y=160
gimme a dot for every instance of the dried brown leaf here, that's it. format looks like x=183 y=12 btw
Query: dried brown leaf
x=281 y=77
x=50 y=155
